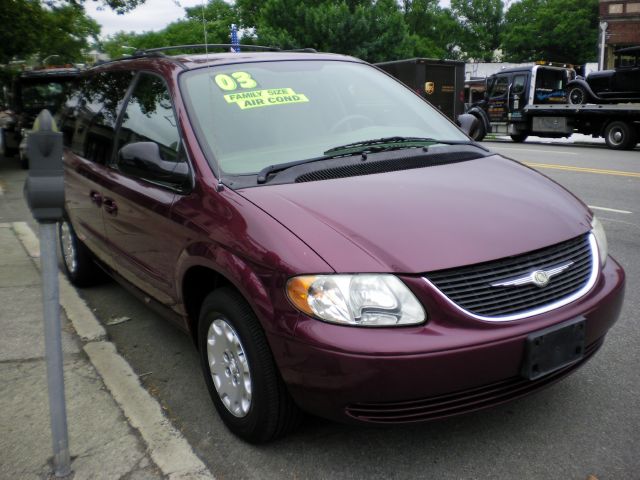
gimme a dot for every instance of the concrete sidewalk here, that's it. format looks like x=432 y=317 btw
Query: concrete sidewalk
x=116 y=429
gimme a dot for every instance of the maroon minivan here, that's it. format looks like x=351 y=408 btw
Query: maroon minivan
x=331 y=241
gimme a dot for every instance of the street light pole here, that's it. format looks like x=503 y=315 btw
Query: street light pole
x=603 y=37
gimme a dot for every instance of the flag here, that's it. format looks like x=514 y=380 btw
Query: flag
x=234 y=39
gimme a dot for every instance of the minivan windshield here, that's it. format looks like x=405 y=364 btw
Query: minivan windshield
x=252 y=115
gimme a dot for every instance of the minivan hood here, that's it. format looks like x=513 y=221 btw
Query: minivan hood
x=426 y=219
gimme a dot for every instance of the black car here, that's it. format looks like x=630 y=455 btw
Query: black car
x=610 y=86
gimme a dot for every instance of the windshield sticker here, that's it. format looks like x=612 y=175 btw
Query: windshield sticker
x=265 y=98
x=234 y=81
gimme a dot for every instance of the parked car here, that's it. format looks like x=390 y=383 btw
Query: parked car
x=610 y=86
x=33 y=91
x=332 y=243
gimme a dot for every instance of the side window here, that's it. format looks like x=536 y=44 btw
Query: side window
x=149 y=118
x=67 y=118
x=500 y=86
x=102 y=99
x=518 y=84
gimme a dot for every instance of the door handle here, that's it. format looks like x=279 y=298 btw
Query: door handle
x=96 y=198
x=110 y=206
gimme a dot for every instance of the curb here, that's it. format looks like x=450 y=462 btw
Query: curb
x=166 y=445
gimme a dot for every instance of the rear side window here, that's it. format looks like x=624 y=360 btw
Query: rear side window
x=102 y=98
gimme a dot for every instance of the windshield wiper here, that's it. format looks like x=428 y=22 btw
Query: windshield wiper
x=393 y=143
x=264 y=173
x=363 y=147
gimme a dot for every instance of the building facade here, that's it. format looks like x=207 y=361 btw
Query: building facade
x=623 y=25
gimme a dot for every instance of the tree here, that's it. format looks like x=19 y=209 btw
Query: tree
x=18 y=38
x=31 y=28
x=433 y=29
x=370 y=29
x=66 y=33
x=480 y=23
x=218 y=16
x=554 y=30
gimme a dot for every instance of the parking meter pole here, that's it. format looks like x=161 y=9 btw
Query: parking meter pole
x=53 y=348
x=44 y=191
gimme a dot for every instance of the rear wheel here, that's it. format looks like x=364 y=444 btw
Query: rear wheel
x=519 y=137
x=77 y=260
x=620 y=136
x=240 y=372
x=5 y=151
x=24 y=161
x=578 y=96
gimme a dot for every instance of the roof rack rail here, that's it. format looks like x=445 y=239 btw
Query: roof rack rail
x=305 y=50
x=204 y=46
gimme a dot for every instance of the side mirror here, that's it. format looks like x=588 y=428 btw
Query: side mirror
x=468 y=123
x=144 y=160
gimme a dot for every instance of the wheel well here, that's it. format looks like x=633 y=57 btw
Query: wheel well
x=198 y=282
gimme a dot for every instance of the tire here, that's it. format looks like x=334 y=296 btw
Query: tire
x=519 y=137
x=77 y=260
x=24 y=161
x=620 y=136
x=480 y=132
x=248 y=393
x=5 y=151
x=577 y=96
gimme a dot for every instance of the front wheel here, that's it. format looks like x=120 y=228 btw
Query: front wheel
x=480 y=131
x=240 y=372
x=77 y=260
x=620 y=136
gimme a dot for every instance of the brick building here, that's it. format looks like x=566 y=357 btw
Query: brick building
x=623 y=30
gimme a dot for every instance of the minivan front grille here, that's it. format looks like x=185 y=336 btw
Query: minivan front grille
x=478 y=288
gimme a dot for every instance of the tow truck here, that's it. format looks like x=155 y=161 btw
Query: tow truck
x=532 y=100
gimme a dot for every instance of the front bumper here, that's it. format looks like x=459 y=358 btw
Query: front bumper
x=451 y=365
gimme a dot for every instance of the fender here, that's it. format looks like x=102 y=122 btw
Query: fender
x=482 y=115
x=580 y=82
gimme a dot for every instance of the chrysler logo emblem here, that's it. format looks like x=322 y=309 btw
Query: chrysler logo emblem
x=540 y=278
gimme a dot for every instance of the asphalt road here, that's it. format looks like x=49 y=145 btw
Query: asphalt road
x=588 y=424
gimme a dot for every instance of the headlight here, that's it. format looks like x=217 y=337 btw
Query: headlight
x=601 y=239
x=362 y=300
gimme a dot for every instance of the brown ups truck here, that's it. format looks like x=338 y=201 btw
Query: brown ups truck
x=441 y=82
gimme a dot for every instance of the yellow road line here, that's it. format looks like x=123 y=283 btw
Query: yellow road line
x=584 y=170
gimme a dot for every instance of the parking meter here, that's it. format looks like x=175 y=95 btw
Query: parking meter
x=44 y=191
x=44 y=188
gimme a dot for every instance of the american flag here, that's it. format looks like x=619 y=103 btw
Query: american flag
x=234 y=38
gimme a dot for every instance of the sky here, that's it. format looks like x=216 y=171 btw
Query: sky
x=152 y=15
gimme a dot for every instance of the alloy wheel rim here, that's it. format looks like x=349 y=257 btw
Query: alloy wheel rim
x=68 y=247
x=229 y=367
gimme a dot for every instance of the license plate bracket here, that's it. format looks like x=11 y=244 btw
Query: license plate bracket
x=553 y=348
